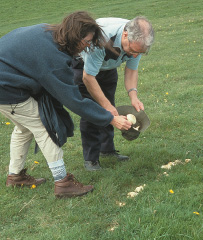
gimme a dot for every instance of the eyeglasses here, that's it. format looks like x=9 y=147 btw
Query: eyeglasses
x=89 y=42
x=137 y=53
x=132 y=52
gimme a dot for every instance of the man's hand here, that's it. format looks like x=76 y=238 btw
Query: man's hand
x=137 y=104
x=121 y=122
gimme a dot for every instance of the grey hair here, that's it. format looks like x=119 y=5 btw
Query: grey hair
x=140 y=29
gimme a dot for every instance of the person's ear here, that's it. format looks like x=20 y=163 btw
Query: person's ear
x=125 y=34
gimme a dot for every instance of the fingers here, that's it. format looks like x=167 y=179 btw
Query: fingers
x=141 y=106
x=121 y=123
x=126 y=124
x=138 y=106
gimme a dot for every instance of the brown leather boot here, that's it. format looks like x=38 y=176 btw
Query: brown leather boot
x=23 y=179
x=70 y=187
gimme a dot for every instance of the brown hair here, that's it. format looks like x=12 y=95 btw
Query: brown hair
x=73 y=29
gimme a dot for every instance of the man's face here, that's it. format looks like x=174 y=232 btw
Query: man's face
x=132 y=48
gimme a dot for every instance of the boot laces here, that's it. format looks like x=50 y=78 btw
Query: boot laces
x=26 y=176
x=74 y=180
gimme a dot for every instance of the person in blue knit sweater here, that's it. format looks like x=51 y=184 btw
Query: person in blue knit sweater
x=36 y=80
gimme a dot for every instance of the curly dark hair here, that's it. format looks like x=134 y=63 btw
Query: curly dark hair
x=73 y=29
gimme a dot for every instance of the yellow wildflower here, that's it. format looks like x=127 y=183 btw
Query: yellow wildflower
x=8 y=123
x=196 y=213
x=166 y=93
x=36 y=162
x=33 y=186
x=171 y=191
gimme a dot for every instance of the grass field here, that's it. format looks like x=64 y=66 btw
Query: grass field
x=170 y=207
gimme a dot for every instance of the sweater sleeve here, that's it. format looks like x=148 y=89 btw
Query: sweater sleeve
x=59 y=83
x=36 y=59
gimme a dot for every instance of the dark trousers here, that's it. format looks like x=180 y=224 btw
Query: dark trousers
x=97 y=139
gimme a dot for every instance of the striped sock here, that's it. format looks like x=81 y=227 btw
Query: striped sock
x=58 y=169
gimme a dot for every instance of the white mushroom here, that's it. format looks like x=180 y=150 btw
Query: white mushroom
x=136 y=128
x=131 y=118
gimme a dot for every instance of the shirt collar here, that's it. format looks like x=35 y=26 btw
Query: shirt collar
x=117 y=42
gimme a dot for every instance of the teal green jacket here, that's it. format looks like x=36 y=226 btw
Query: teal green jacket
x=30 y=61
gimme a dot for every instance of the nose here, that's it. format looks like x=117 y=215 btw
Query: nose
x=88 y=44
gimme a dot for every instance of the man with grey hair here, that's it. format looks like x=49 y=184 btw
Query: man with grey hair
x=96 y=75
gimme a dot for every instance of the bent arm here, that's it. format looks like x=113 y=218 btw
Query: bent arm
x=96 y=92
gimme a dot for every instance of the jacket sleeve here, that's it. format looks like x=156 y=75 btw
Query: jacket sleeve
x=59 y=83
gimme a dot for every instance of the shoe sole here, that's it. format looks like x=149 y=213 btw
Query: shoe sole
x=72 y=194
x=22 y=185
x=114 y=156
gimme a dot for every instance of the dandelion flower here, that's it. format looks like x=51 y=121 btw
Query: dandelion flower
x=171 y=191
x=196 y=213
x=33 y=186
x=36 y=162
x=166 y=93
x=8 y=123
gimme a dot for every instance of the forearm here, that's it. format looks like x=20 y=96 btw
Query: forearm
x=131 y=80
x=95 y=90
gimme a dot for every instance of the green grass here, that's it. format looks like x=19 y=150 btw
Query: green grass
x=174 y=66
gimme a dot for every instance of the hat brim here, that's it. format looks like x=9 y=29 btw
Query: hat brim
x=141 y=117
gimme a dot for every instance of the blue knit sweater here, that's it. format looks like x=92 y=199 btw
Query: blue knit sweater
x=30 y=60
